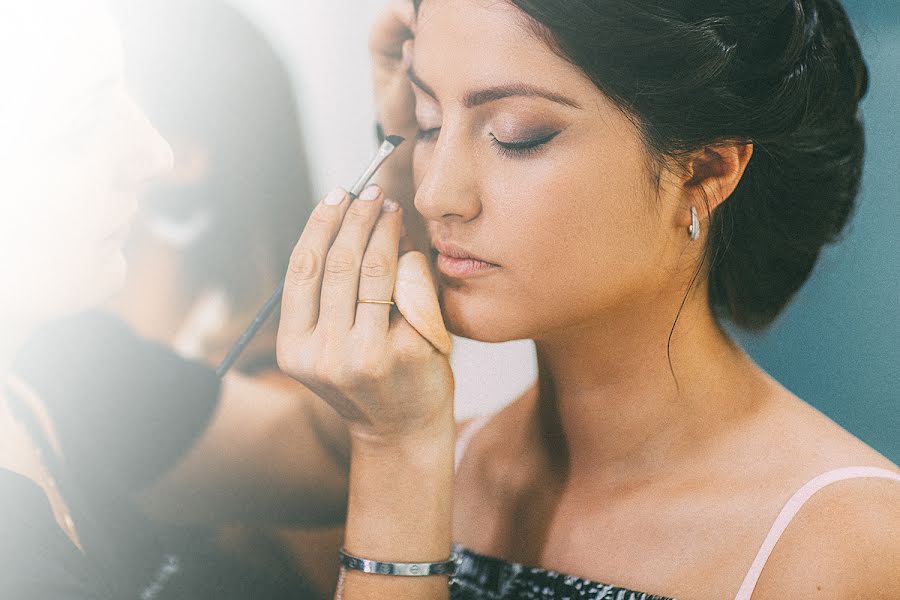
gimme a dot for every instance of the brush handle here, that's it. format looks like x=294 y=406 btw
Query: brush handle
x=258 y=321
x=384 y=151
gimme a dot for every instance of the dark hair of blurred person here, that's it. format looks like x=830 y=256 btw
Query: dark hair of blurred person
x=107 y=437
x=215 y=235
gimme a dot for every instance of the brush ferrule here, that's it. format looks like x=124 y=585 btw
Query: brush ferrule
x=385 y=150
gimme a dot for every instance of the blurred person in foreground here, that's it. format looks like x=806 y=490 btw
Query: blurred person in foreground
x=214 y=235
x=101 y=429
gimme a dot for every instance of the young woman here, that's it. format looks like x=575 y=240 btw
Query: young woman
x=666 y=445
x=612 y=180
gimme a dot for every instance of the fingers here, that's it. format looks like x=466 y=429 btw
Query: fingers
x=303 y=281
x=340 y=283
x=417 y=300
x=394 y=24
x=407 y=54
x=378 y=273
x=405 y=12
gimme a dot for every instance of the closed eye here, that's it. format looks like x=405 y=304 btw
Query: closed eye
x=524 y=148
x=507 y=149
x=425 y=135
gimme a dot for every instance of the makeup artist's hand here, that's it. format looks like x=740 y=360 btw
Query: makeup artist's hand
x=388 y=382
x=390 y=47
x=394 y=100
x=393 y=388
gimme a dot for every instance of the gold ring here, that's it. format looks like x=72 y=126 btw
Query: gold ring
x=375 y=302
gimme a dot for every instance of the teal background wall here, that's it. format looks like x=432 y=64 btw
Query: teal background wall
x=838 y=344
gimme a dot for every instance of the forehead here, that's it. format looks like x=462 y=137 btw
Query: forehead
x=52 y=54
x=486 y=42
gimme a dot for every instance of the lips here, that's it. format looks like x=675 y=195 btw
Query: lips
x=120 y=232
x=119 y=235
x=454 y=261
x=451 y=250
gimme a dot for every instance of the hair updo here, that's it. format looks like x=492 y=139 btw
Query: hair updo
x=786 y=75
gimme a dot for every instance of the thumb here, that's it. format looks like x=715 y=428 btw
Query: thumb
x=415 y=295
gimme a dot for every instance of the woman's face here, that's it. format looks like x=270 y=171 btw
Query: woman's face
x=74 y=152
x=524 y=163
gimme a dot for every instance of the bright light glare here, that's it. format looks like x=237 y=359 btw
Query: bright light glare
x=53 y=56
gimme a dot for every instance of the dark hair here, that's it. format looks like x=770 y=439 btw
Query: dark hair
x=786 y=75
x=204 y=74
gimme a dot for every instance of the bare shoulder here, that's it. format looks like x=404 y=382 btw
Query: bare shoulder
x=845 y=540
x=821 y=442
x=843 y=543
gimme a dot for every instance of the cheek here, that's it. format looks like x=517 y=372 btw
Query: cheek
x=54 y=243
x=81 y=204
x=421 y=155
x=413 y=222
x=604 y=241
x=585 y=213
x=577 y=236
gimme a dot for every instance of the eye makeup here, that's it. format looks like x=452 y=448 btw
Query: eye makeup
x=513 y=131
x=424 y=135
x=517 y=149
x=524 y=148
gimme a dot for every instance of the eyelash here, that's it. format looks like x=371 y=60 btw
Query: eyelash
x=424 y=135
x=521 y=149
x=506 y=149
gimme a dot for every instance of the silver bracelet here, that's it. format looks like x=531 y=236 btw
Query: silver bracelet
x=403 y=569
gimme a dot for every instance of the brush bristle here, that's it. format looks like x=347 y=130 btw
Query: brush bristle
x=396 y=140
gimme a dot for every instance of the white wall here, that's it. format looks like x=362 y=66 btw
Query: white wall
x=324 y=44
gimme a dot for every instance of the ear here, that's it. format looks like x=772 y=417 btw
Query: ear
x=712 y=175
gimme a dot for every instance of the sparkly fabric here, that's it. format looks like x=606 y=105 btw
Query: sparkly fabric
x=482 y=577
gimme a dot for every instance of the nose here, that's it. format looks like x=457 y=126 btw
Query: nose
x=162 y=158
x=448 y=189
x=150 y=155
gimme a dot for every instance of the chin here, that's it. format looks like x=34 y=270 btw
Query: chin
x=54 y=287
x=106 y=279
x=113 y=277
x=481 y=321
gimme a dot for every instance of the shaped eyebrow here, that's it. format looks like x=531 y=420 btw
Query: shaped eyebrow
x=483 y=96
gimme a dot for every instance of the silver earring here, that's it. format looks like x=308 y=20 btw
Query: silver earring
x=694 y=229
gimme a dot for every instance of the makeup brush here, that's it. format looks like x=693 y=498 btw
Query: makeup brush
x=387 y=148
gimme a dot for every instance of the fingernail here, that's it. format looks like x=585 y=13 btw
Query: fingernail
x=370 y=193
x=335 y=197
x=390 y=206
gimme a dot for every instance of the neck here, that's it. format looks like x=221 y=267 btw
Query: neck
x=13 y=337
x=146 y=301
x=15 y=333
x=609 y=407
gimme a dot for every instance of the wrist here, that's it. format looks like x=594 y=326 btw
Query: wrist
x=424 y=441
x=401 y=491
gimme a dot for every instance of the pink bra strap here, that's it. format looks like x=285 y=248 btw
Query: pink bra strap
x=792 y=507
